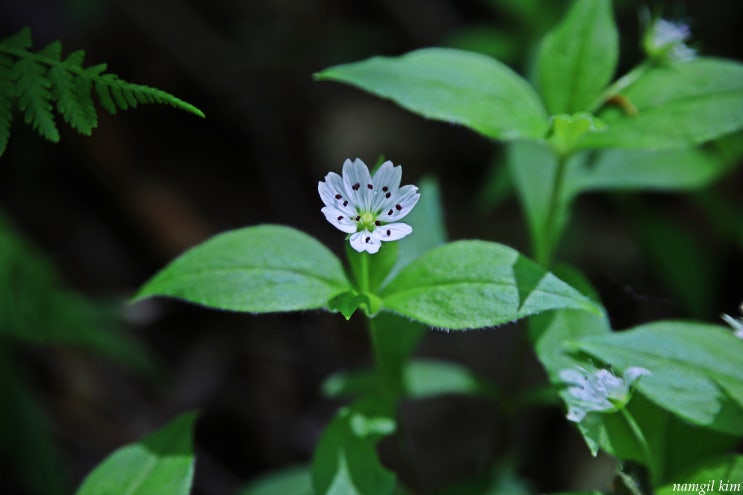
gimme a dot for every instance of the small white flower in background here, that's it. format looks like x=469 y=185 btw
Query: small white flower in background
x=368 y=207
x=735 y=323
x=666 y=39
x=599 y=391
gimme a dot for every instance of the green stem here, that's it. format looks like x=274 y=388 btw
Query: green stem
x=364 y=272
x=546 y=247
x=620 y=85
x=640 y=437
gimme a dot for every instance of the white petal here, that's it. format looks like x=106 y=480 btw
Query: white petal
x=356 y=180
x=634 y=373
x=575 y=414
x=573 y=377
x=393 y=231
x=365 y=241
x=339 y=219
x=386 y=183
x=332 y=196
x=400 y=204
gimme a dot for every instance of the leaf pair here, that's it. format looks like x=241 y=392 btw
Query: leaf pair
x=674 y=105
x=270 y=268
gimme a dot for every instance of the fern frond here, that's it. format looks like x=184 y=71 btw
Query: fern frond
x=39 y=82
x=34 y=96
x=7 y=92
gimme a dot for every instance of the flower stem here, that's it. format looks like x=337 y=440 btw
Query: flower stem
x=640 y=437
x=545 y=248
x=364 y=272
x=620 y=85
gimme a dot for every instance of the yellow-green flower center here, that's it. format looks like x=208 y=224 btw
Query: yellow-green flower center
x=367 y=220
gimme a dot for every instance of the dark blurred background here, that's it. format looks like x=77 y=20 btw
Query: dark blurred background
x=111 y=209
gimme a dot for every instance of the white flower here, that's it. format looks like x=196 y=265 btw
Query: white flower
x=735 y=323
x=368 y=207
x=599 y=391
x=666 y=39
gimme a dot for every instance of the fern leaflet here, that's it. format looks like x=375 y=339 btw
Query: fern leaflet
x=37 y=83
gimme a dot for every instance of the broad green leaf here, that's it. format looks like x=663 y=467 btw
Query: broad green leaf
x=534 y=167
x=577 y=59
x=716 y=476
x=424 y=378
x=38 y=309
x=295 y=480
x=678 y=105
x=162 y=462
x=345 y=460
x=476 y=284
x=421 y=379
x=257 y=269
x=697 y=369
x=659 y=170
x=455 y=86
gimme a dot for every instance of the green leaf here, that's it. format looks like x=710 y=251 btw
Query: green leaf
x=162 y=462
x=475 y=284
x=630 y=170
x=295 y=480
x=420 y=379
x=454 y=86
x=567 y=130
x=577 y=59
x=347 y=302
x=21 y=39
x=697 y=369
x=719 y=475
x=424 y=378
x=678 y=105
x=34 y=97
x=38 y=309
x=345 y=460
x=255 y=269
x=38 y=80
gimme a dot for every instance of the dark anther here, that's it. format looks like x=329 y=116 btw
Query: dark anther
x=345 y=203
x=370 y=186
x=368 y=239
x=377 y=223
x=389 y=232
x=338 y=196
x=340 y=218
x=388 y=195
x=390 y=212
x=398 y=207
x=385 y=189
x=356 y=186
x=358 y=218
